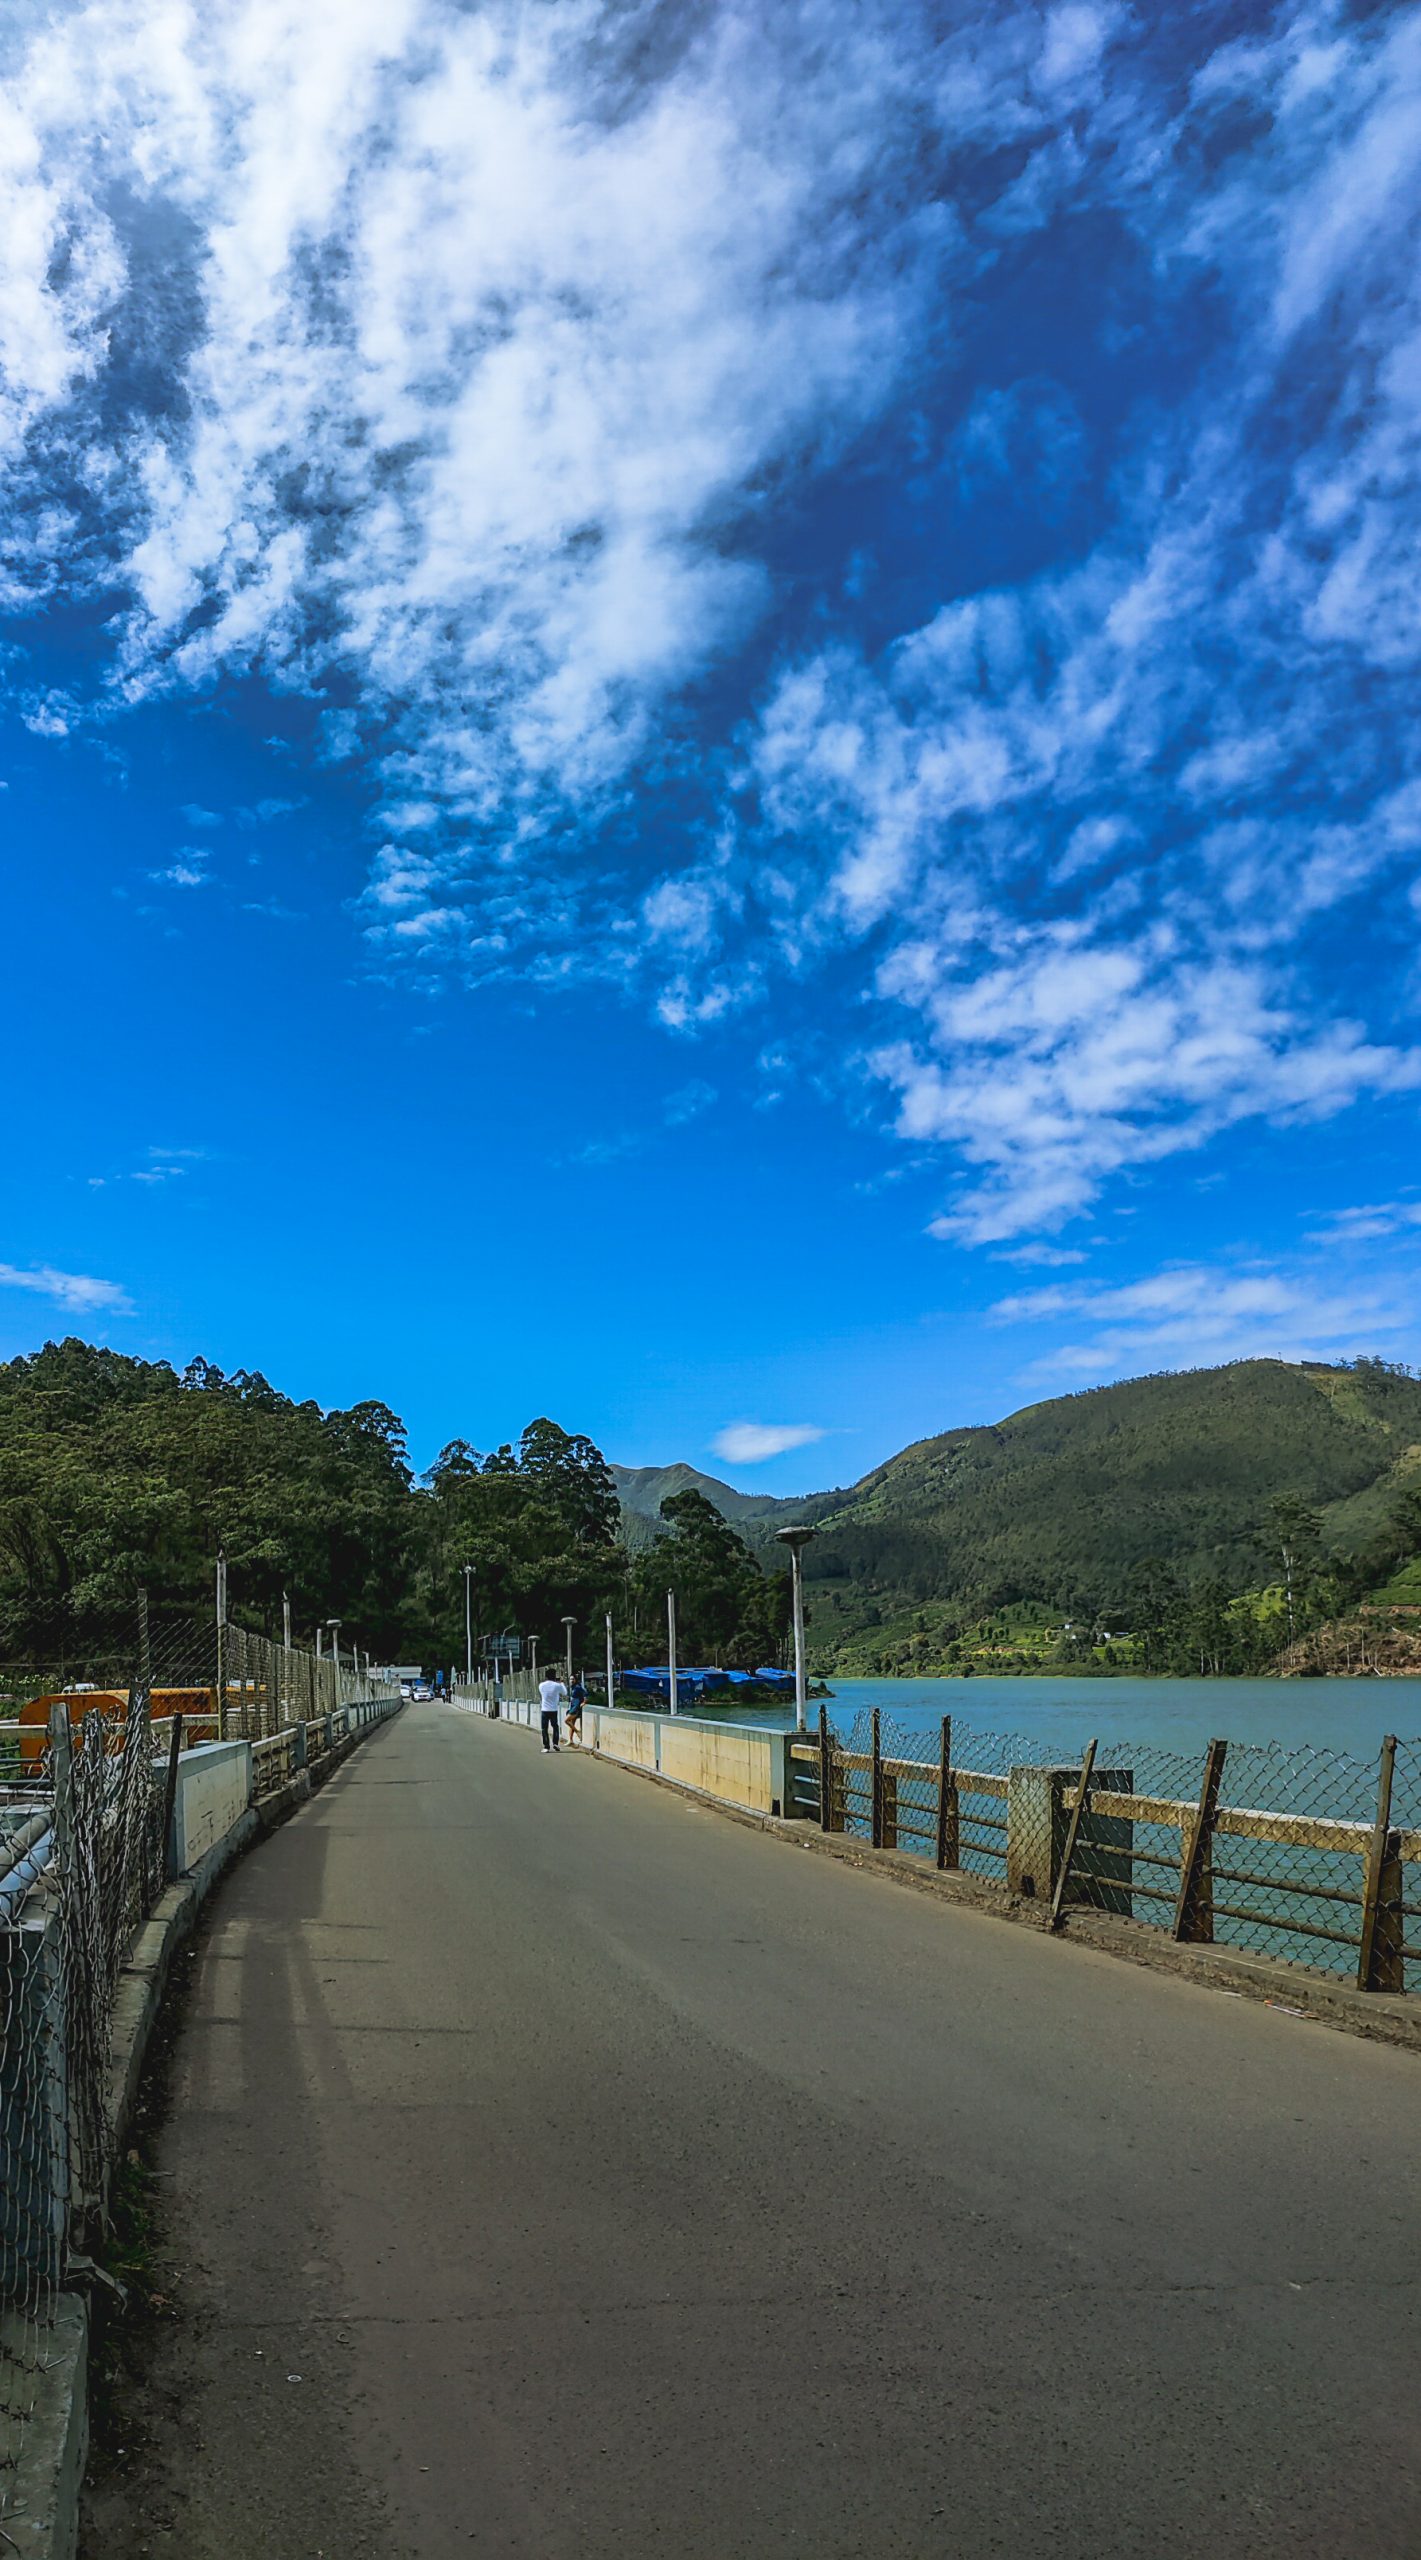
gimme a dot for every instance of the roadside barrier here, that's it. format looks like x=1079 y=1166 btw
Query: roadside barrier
x=102 y=1805
x=1303 y=1855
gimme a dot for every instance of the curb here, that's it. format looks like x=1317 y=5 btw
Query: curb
x=1381 y=2017
x=49 y=2477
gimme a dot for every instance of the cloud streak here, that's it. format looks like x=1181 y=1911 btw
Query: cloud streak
x=76 y=1291
x=749 y=1444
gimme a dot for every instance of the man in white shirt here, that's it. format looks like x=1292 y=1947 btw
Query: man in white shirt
x=551 y=1694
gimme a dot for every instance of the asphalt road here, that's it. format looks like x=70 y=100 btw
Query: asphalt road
x=618 y=2181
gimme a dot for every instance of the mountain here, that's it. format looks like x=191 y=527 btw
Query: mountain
x=1058 y=1506
x=642 y=1490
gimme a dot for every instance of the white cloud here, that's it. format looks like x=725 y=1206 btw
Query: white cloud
x=492 y=345
x=1194 y=1314
x=189 y=871
x=748 y=1444
x=75 y=1290
x=1368 y=1222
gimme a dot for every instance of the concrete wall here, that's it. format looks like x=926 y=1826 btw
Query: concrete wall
x=214 y=1790
x=734 y=1763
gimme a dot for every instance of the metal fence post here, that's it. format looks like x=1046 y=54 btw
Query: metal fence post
x=1073 y=1833
x=1194 y=1909
x=170 y=1795
x=1380 y=1961
x=947 y=1808
x=875 y=1784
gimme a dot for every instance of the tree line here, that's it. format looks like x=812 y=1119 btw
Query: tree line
x=118 y=1474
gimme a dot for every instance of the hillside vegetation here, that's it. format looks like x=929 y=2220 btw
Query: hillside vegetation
x=1205 y=1522
x=118 y=1475
x=1124 y=1510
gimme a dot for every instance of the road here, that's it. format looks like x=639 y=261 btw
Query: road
x=619 y=2181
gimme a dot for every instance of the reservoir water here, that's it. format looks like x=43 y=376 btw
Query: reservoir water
x=1179 y=1715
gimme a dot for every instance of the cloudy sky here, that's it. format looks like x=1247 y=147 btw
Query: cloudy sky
x=710 y=714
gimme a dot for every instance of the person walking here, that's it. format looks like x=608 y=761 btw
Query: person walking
x=551 y=1694
x=576 y=1701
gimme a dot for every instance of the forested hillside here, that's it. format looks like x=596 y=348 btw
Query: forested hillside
x=1206 y=1520
x=1119 y=1505
x=642 y=1491
x=119 y=1474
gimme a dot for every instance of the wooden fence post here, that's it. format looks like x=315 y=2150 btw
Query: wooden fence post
x=1073 y=1832
x=875 y=1810
x=947 y=1806
x=1380 y=1960
x=1194 y=1907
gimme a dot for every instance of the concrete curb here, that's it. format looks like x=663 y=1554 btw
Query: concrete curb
x=1373 y=2014
x=49 y=2478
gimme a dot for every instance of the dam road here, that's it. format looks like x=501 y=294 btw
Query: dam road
x=554 y=2169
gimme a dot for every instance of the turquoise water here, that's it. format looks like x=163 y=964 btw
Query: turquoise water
x=1178 y=1715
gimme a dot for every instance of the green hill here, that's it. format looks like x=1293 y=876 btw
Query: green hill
x=642 y=1490
x=1053 y=1512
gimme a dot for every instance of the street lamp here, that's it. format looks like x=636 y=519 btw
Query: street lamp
x=671 y=1649
x=335 y=1627
x=609 y=1657
x=568 y=1625
x=468 y=1626
x=797 y=1539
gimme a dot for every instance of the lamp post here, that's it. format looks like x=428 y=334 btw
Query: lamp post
x=286 y=1622
x=796 y=1539
x=335 y=1626
x=568 y=1625
x=469 y=1626
x=671 y=1647
x=609 y=1657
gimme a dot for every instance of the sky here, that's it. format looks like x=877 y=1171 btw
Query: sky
x=710 y=715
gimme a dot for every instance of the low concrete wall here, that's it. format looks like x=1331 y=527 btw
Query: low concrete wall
x=214 y=1789
x=736 y=1764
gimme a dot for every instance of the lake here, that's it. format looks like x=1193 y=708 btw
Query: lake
x=1179 y=1715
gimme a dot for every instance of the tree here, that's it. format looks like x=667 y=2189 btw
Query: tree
x=1290 y=1533
x=727 y=1610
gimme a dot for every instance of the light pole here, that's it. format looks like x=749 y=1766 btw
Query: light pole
x=335 y=1626
x=671 y=1646
x=468 y=1626
x=609 y=1657
x=286 y=1622
x=533 y=1651
x=796 y=1539
x=568 y=1625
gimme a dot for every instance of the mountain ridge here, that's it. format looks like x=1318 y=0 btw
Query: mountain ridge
x=1063 y=1503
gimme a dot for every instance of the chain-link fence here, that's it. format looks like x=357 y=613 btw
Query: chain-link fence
x=34 y=2122
x=1308 y=1856
x=90 y=1755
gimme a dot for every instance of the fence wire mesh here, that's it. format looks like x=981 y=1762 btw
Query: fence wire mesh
x=33 y=2104
x=1308 y=1856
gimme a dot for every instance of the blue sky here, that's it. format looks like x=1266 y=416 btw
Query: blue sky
x=712 y=725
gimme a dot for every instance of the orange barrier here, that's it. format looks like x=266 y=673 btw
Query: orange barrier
x=195 y=1706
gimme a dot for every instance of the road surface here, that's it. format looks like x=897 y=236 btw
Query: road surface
x=619 y=2181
